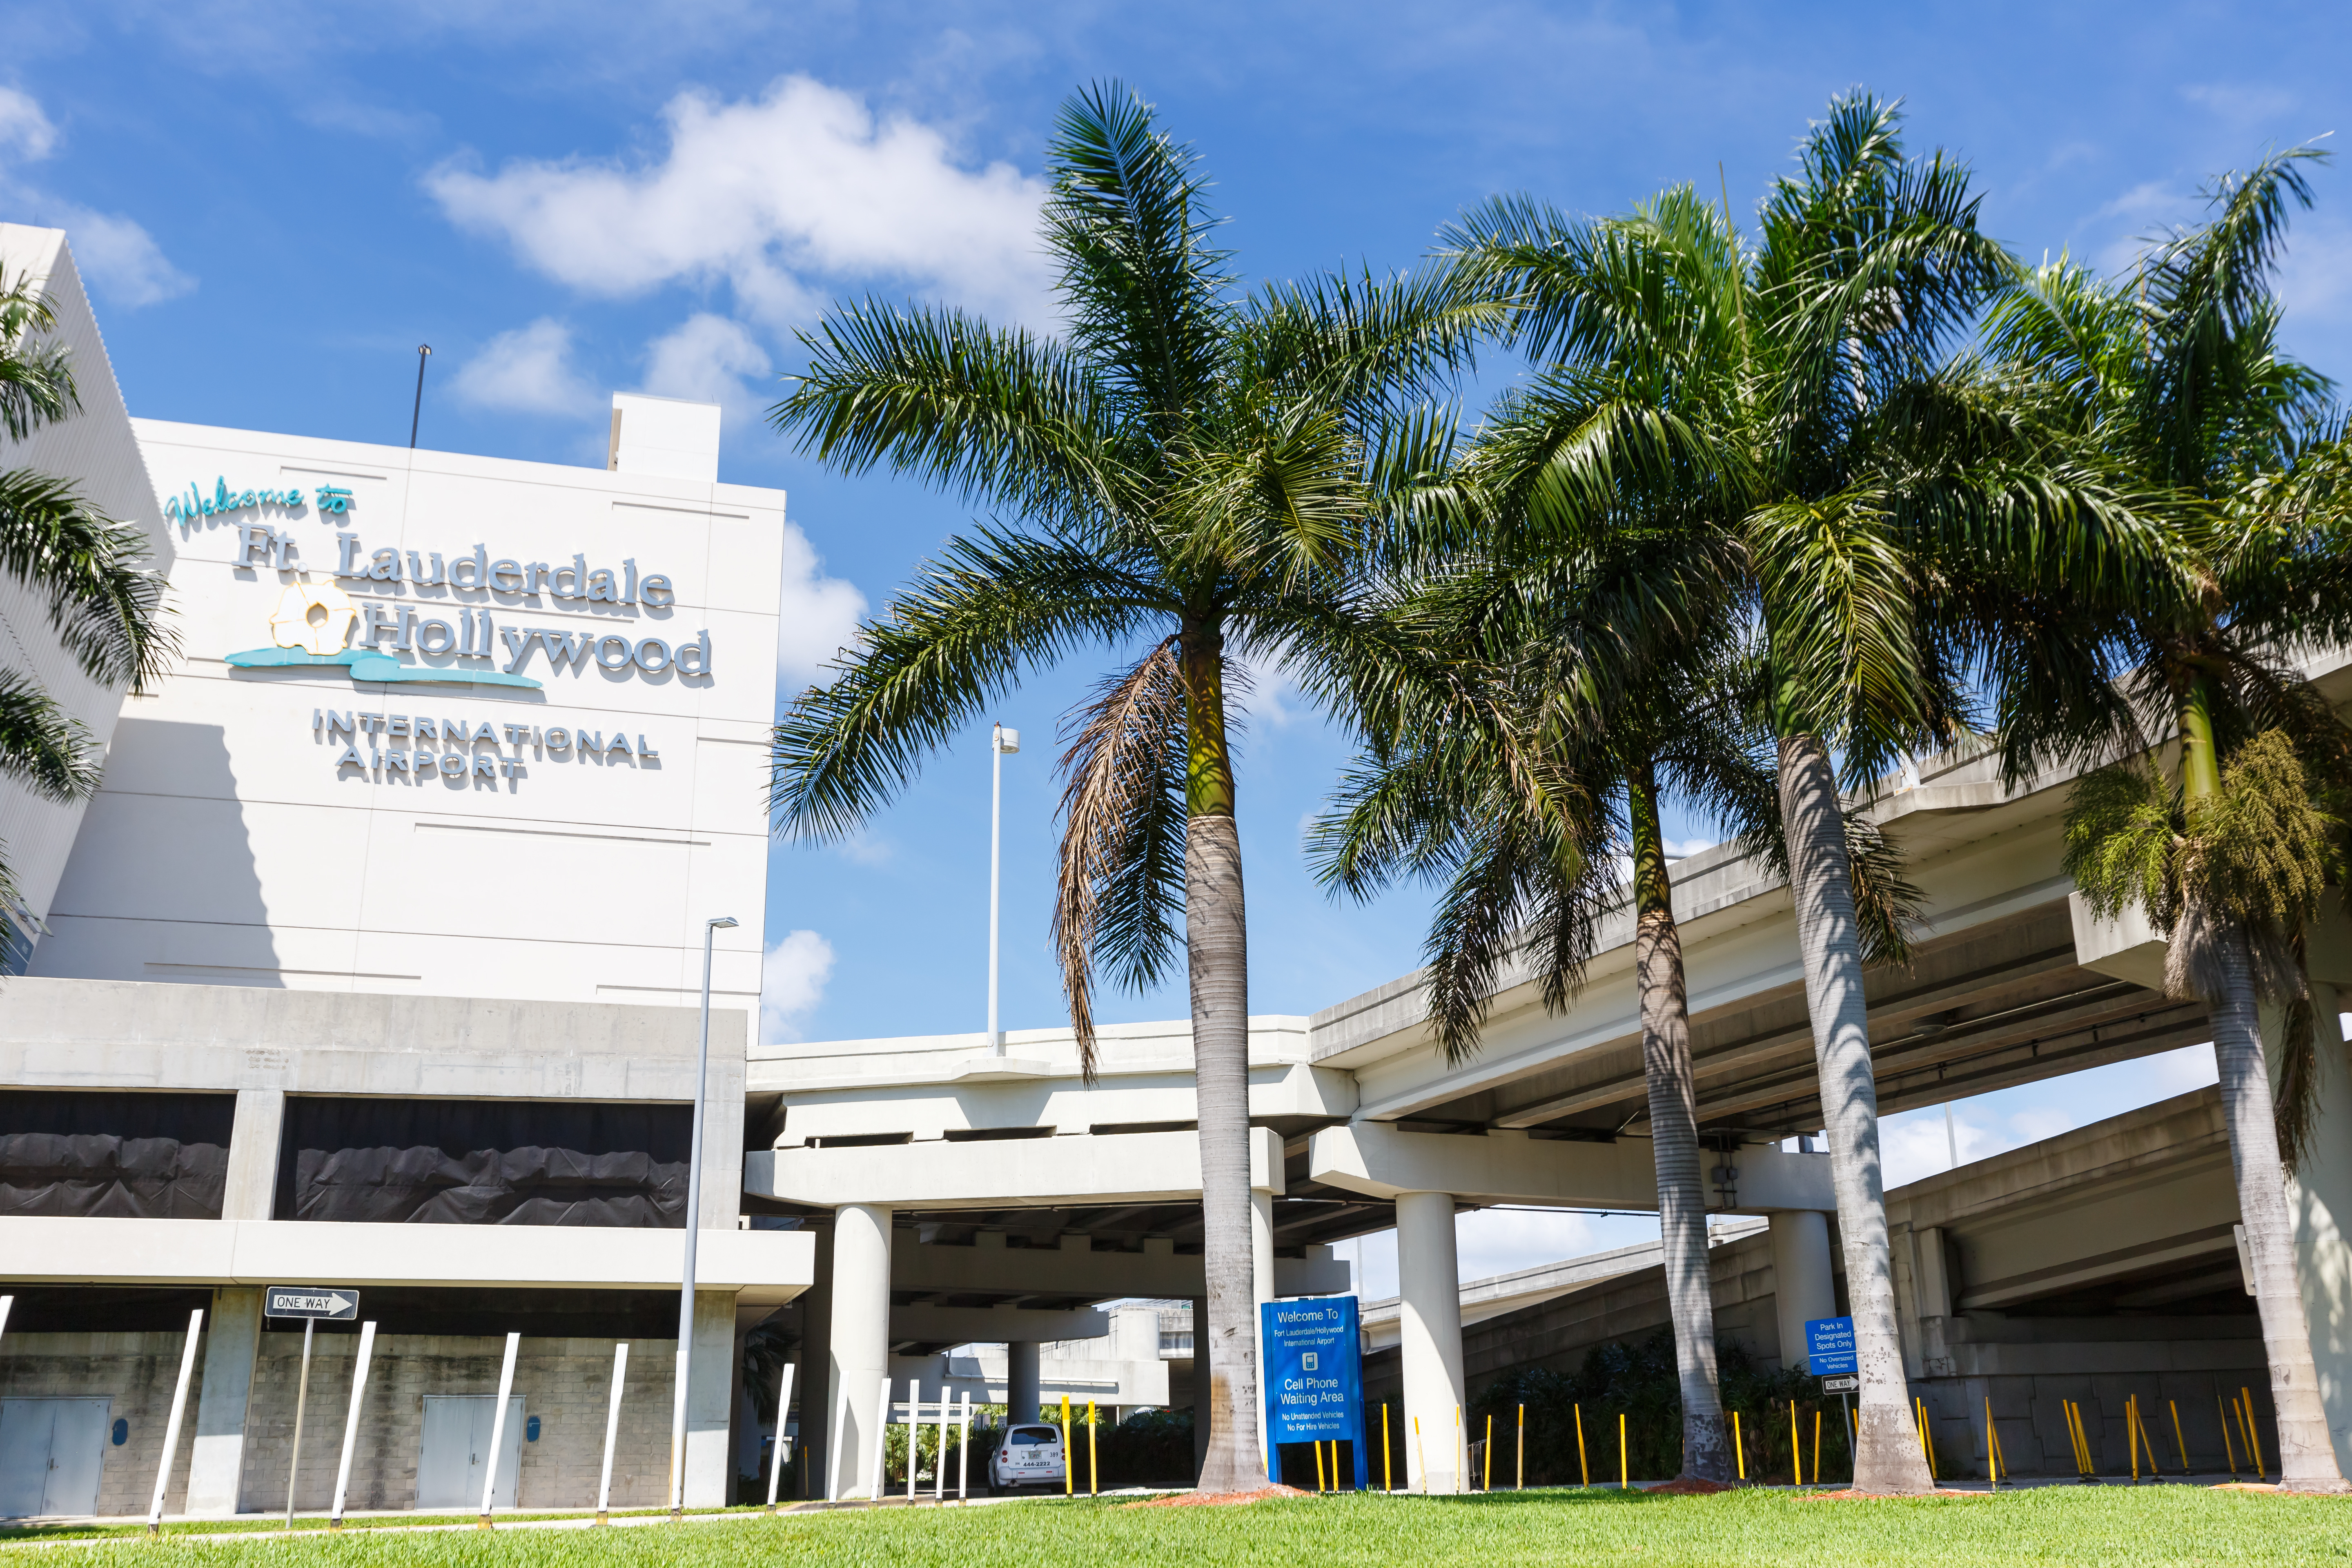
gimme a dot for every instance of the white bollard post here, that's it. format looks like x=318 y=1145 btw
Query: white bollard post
x=498 y=1431
x=301 y=1403
x=940 y=1466
x=352 y=1424
x=964 y=1453
x=612 y=1432
x=171 y=1427
x=776 y=1459
x=834 y=1444
x=914 y=1432
x=881 y=1442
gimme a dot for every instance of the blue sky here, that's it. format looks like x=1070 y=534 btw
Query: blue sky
x=277 y=202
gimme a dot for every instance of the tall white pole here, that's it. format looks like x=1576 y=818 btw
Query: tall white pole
x=1951 y=1137
x=499 y=1429
x=171 y=1427
x=611 y=1432
x=351 y=1423
x=995 y=872
x=963 y=1452
x=711 y=930
x=914 y=1433
x=776 y=1458
x=301 y=1403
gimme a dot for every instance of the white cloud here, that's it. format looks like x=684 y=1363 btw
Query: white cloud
x=772 y=195
x=24 y=131
x=2240 y=104
x=819 y=614
x=118 y=256
x=707 y=360
x=529 y=371
x=793 y=972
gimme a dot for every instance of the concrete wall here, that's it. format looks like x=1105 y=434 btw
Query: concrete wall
x=566 y=1382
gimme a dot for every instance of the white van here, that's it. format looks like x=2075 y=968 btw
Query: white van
x=1029 y=1456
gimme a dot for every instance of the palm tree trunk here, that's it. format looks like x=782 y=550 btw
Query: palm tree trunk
x=1674 y=1136
x=2306 y=1454
x=1217 y=939
x=1886 y=1457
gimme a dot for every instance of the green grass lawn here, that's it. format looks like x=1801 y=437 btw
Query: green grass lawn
x=2056 y=1524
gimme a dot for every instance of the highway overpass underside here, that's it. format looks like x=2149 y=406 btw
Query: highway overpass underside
x=1987 y=1007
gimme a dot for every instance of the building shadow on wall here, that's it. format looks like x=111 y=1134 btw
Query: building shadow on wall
x=162 y=883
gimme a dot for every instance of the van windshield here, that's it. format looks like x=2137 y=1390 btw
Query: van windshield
x=1029 y=1437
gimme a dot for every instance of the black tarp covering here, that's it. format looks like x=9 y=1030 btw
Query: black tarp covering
x=67 y=1154
x=465 y=1161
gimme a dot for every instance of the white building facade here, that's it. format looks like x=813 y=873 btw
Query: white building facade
x=375 y=962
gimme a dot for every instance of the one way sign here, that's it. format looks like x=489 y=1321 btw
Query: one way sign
x=310 y=1301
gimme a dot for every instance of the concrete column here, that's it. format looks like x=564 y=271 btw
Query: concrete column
x=1262 y=1292
x=232 y=1338
x=861 y=1342
x=252 y=1187
x=813 y=1384
x=1020 y=1396
x=1200 y=1384
x=1802 y=1287
x=710 y=1401
x=2319 y=1196
x=1430 y=1325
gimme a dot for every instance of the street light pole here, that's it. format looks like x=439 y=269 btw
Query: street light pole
x=711 y=930
x=1001 y=743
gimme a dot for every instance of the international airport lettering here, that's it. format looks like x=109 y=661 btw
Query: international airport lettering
x=416 y=746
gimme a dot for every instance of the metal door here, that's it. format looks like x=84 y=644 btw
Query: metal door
x=455 y=1441
x=51 y=1454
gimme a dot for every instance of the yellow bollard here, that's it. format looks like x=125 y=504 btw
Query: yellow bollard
x=1421 y=1448
x=2253 y=1434
x=1926 y=1442
x=1583 y=1466
x=1388 y=1470
x=1486 y=1478
x=1094 y=1474
x=1319 y=1466
x=2174 y=1406
x=1992 y=1448
x=1624 y=1465
x=1796 y=1451
x=2227 y=1446
x=2131 y=1433
x=1738 y=1453
x=1461 y=1453
x=1817 y=1445
x=1522 y=1484
x=1069 y=1470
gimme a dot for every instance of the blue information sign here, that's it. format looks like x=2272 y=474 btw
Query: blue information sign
x=1314 y=1375
x=1829 y=1341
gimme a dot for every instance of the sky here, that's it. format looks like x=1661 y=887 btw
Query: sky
x=276 y=202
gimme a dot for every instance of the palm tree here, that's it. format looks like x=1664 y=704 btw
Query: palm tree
x=1593 y=680
x=1186 y=472
x=2176 y=373
x=1869 y=492
x=105 y=600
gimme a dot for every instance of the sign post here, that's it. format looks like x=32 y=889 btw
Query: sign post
x=1829 y=1344
x=309 y=1303
x=1315 y=1376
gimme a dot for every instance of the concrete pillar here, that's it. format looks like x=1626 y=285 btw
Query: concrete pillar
x=251 y=1189
x=861 y=1343
x=1429 y=1329
x=232 y=1338
x=710 y=1401
x=1802 y=1287
x=813 y=1383
x=1260 y=1293
x=1020 y=1395
x=1200 y=1384
x=2319 y=1196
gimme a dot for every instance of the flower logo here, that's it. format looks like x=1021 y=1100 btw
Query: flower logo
x=315 y=617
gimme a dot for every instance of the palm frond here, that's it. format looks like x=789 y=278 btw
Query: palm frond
x=106 y=598
x=1121 y=884
x=37 y=384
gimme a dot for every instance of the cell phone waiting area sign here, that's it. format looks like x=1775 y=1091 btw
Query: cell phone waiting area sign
x=1314 y=1375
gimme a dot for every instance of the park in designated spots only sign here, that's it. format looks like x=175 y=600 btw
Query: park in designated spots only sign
x=1315 y=1374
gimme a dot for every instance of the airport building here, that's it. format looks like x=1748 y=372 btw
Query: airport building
x=375 y=963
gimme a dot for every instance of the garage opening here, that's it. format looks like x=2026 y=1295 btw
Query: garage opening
x=473 y=1162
